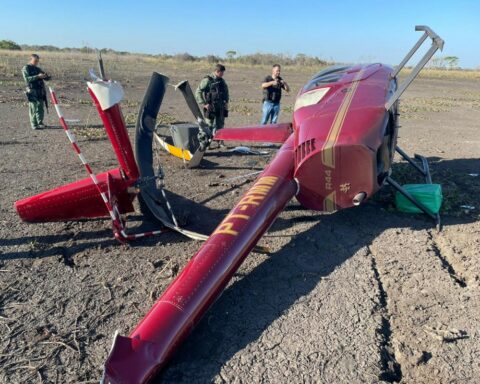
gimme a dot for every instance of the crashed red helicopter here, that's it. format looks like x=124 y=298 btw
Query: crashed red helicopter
x=336 y=153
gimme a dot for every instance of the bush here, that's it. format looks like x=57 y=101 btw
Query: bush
x=9 y=44
x=212 y=59
x=270 y=59
x=184 y=57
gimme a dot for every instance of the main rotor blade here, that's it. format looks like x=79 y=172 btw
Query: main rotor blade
x=146 y=120
x=145 y=127
x=187 y=93
x=100 y=66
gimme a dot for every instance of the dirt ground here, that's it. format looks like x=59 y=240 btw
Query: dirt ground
x=364 y=295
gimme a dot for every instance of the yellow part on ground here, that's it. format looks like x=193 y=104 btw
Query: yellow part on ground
x=175 y=151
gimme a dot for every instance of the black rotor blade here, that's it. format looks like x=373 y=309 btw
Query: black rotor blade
x=187 y=93
x=100 y=66
x=146 y=121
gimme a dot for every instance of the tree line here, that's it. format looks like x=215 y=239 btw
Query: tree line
x=230 y=56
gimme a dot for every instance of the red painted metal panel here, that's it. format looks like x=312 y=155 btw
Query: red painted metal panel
x=114 y=123
x=336 y=140
x=275 y=133
x=76 y=200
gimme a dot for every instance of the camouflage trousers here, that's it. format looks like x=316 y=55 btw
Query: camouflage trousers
x=36 y=113
x=218 y=122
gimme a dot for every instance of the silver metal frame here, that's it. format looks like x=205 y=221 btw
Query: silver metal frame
x=437 y=43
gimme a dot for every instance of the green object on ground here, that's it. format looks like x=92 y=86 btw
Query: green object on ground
x=429 y=195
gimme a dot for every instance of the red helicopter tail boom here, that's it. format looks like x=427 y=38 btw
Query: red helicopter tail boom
x=135 y=359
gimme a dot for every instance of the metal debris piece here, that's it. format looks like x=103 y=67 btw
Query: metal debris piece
x=247 y=151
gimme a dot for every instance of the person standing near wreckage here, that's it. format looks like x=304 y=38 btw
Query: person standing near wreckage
x=272 y=93
x=36 y=94
x=212 y=95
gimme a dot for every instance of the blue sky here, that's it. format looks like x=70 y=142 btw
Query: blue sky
x=347 y=31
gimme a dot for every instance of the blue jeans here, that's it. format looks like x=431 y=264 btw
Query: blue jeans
x=270 y=111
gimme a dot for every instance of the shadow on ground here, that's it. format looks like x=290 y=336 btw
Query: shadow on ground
x=254 y=301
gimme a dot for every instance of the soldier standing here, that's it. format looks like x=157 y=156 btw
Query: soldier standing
x=212 y=95
x=272 y=93
x=36 y=94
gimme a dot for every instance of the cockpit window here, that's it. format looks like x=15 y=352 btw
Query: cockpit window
x=328 y=75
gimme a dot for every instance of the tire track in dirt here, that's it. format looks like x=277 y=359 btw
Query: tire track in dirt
x=391 y=368
x=448 y=260
x=460 y=247
x=432 y=314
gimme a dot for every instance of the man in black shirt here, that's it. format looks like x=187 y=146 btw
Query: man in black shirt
x=272 y=93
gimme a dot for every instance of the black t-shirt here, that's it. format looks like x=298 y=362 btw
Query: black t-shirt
x=272 y=93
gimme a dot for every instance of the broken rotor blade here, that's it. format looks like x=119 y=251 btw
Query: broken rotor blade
x=187 y=93
x=145 y=127
x=196 y=158
x=101 y=69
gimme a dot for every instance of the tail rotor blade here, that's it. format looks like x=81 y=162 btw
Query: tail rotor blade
x=187 y=93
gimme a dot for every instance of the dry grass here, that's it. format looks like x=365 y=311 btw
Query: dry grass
x=413 y=107
x=67 y=64
x=419 y=107
x=445 y=73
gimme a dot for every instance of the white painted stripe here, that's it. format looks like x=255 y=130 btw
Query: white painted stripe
x=95 y=180
x=71 y=136
x=104 y=197
x=82 y=159
x=59 y=112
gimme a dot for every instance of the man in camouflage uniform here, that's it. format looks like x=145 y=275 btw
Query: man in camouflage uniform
x=36 y=94
x=212 y=96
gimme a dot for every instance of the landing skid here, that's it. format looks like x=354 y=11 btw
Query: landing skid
x=424 y=169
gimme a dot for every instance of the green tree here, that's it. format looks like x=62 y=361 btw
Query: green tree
x=452 y=61
x=231 y=54
x=9 y=44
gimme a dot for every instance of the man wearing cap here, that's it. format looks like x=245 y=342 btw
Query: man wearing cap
x=36 y=94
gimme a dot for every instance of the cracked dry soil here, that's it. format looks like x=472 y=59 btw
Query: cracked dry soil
x=364 y=295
